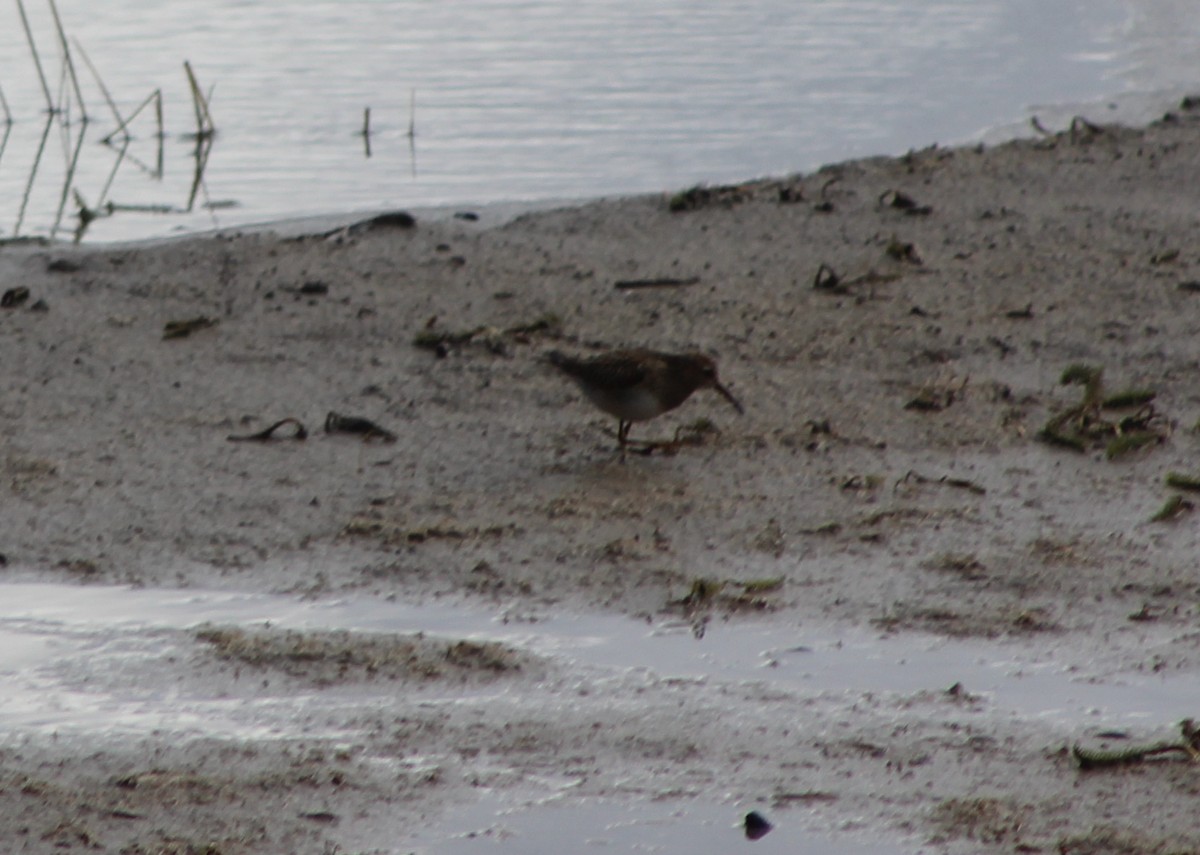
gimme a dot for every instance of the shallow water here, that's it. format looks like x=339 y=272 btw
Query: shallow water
x=533 y=99
x=85 y=665
x=549 y=828
x=102 y=660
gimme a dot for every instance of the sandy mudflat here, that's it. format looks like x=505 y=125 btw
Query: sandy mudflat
x=887 y=476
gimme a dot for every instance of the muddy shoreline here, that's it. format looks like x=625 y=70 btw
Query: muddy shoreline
x=897 y=329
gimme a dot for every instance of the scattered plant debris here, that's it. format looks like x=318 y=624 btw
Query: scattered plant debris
x=659 y=282
x=1188 y=747
x=442 y=342
x=337 y=423
x=937 y=396
x=957 y=483
x=700 y=196
x=1084 y=426
x=1175 y=507
x=183 y=329
x=299 y=432
x=829 y=281
x=1180 y=481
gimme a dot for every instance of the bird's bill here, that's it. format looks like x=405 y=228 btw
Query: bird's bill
x=728 y=396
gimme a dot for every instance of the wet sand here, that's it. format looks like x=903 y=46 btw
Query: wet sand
x=909 y=466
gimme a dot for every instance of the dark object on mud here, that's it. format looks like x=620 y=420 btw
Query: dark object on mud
x=756 y=825
x=64 y=265
x=390 y=220
x=14 y=297
x=790 y=195
x=182 y=329
x=337 y=423
x=299 y=432
x=901 y=201
x=825 y=206
x=827 y=279
x=387 y=220
x=469 y=216
x=899 y=250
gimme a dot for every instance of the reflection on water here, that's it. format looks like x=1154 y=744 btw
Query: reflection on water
x=516 y=99
x=73 y=213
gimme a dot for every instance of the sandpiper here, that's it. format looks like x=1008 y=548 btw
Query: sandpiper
x=639 y=384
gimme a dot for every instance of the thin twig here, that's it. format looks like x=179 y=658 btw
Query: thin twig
x=122 y=128
x=204 y=122
x=113 y=173
x=412 y=113
x=36 y=60
x=62 y=38
x=70 y=176
x=4 y=141
x=33 y=175
x=8 y=119
x=112 y=105
x=658 y=282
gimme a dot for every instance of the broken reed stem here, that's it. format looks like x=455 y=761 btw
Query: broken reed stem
x=412 y=113
x=113 y=173
x=8 y=119
x=36 y=59
x=70 y=177
x=37 y=162
x=112 y=105
x=366 y=131
x=62 y=38
x=204 y=123
x=156 y=95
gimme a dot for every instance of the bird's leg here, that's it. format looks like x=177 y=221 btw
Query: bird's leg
x=623 y=432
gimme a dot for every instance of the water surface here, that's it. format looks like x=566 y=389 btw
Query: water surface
x=529 y=99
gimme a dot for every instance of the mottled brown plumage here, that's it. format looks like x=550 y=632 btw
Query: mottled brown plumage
x=639 y=384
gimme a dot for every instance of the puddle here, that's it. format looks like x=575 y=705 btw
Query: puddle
x=663 y=829
x=95 y=658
